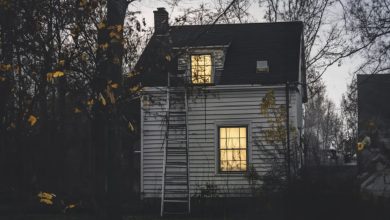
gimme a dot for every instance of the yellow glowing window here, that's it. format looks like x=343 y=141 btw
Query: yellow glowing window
x=201 y=69
x=232 y=148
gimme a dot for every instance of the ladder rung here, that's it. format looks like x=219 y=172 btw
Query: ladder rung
x=177 y=166
x=175 y=200
x=176 y=90
x=178 y=152
x=184 y=191
x=176 y=127
x=182 y=182
x=177 y=176
x=176 y=213
x=176 y=163
x=176 y=148
x=181 y=163
x=171 y=172
x=175 y=179
x=177 y=111
x=177 y=140
x=175 y=183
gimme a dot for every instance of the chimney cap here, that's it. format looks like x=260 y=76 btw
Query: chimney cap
x=161 y=9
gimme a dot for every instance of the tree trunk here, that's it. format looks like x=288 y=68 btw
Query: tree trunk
x=107 y=127
x=6 y=78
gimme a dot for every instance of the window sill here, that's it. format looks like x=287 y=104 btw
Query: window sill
x=232 y=173
x=202 y=84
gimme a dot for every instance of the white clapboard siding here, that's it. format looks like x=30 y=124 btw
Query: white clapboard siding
x=218 y=105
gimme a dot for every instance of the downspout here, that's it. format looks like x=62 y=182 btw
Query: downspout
x=288 y=131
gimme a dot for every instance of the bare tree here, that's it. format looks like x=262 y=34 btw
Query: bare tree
x=206 y=13
x=369 y=21
x=350 y=116
x=323 y=34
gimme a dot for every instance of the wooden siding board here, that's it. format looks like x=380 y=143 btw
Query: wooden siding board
x=228 y=106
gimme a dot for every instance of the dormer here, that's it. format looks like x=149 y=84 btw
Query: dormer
x=202 y=65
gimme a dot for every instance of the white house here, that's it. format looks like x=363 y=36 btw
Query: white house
x=201 y=120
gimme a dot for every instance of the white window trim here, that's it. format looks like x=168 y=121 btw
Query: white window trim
x=212 y=68
x=227 y=123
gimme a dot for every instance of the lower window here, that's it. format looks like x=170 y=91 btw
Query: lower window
x=233 y=148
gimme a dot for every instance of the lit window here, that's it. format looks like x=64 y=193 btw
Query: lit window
x=201 y=69
x=232 y=148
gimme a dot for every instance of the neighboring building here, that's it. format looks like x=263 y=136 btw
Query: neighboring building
x=219 y=75
x=374 y=134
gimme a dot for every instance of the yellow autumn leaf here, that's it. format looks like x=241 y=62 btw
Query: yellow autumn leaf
x=61 y=62
x=135 y=88
x=71 y=206
x=102 y=99
x=46 y=195
x=32 y=120
x=46 y=201
x=110 y=95
x=2 y=78
x=103 y=46
x=5 y=67
x=49 y=77
x=101 y=25
x=114 y=34
x=114 y=85
x=76 y=110
x=118 y=28
x=131 y=74
x=360 y=146
x=131 y=127
x=83 y=2
x=58 y=74
x=90 y=102
x=168 y=57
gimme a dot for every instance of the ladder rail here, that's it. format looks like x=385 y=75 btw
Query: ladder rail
x=187 y=151
x=165 y=149
x=168 y=180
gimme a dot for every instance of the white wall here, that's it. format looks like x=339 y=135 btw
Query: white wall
x=223 y=105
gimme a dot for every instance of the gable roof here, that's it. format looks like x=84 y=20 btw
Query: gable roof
x=279 y=43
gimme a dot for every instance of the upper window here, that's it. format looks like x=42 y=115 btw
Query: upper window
x=201 y=69
x=233 y=148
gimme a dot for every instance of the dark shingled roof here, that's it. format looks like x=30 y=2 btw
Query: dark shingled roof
x=279 y=43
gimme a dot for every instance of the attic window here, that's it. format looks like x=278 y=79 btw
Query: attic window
x=262 y=66
x=201 y=69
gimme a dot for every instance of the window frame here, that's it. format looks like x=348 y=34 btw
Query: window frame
x=219 y=148
x=212 y=69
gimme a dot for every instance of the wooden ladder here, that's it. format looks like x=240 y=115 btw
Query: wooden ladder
x=175 y=189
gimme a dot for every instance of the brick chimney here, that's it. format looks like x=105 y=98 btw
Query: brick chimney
x=160 y=21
